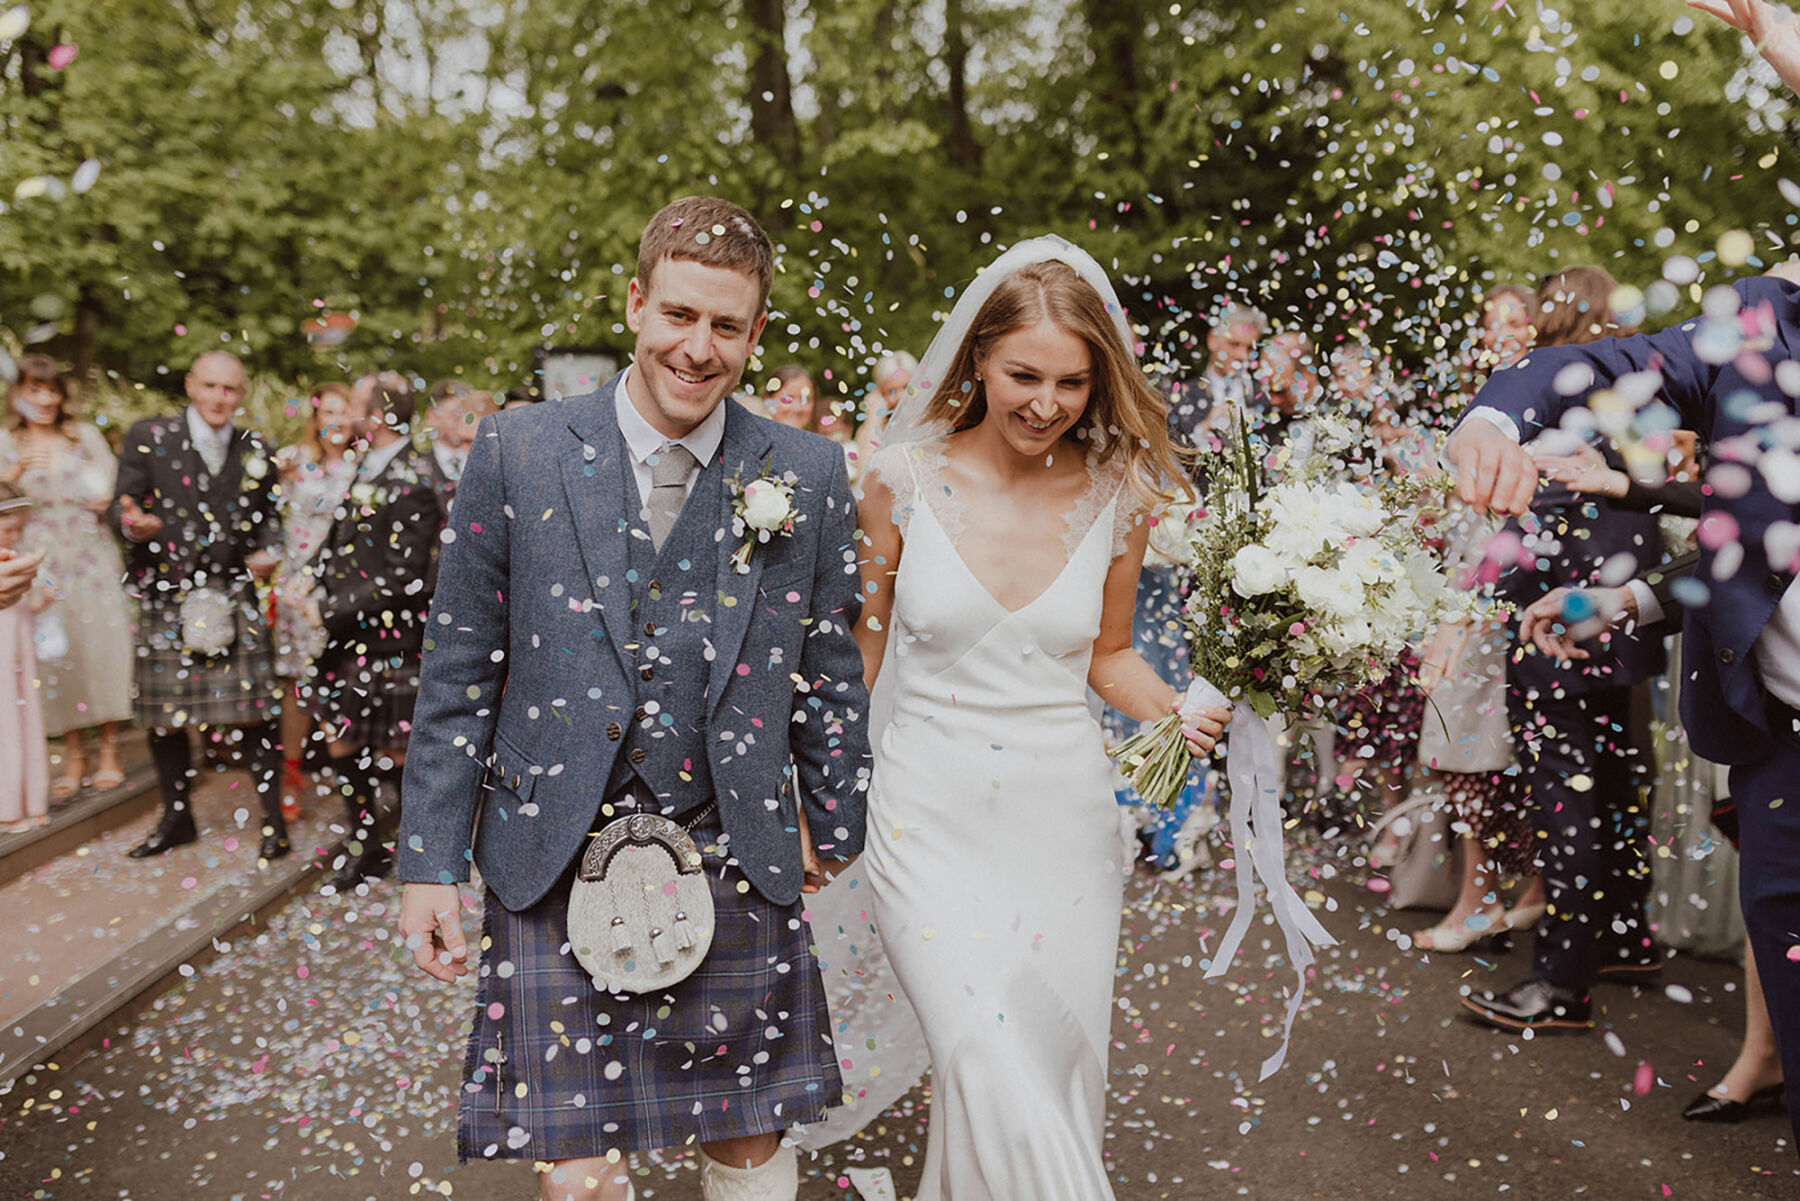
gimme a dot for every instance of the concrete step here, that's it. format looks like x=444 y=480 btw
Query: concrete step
x=92 y=931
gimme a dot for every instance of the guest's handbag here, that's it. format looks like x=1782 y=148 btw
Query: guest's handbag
x=208 y=623
x=1426 y=875
x=641 y=910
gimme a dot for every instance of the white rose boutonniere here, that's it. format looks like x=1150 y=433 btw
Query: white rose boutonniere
x=256 y=466
x=363 y=496
x=762 y=508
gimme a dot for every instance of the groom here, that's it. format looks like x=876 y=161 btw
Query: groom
x=593 y=652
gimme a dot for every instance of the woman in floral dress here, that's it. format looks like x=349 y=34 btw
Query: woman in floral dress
x=65 y=466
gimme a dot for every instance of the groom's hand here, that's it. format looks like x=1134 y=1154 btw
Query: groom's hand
x=431 y=925
x=819 y=873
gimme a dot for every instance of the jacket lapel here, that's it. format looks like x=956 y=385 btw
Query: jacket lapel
x=593 y=463
x=745 y=451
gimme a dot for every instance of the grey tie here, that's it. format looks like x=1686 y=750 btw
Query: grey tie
x=669 y=472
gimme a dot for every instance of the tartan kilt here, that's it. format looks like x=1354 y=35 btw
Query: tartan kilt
x=175 y=689
x=364 y=694
x=741 y=1047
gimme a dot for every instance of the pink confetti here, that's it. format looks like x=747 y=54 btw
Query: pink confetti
x=61 y=56
x=1644 y=1080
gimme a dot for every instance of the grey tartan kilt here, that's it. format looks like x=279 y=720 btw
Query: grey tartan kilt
x=363 y=694
x=174 y=688
x=741 y=1047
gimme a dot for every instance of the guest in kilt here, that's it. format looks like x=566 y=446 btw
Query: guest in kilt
x=197 y=505
x=611 y=642
x=376 y=570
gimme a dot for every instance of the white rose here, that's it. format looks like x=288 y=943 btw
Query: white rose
x=256 y=467
x=1335 y=593
x=1255 y=570
x=363 y=494
x=768 y=504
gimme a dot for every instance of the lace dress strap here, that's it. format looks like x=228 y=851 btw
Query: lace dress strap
x=1106 y=483
x=892 y=466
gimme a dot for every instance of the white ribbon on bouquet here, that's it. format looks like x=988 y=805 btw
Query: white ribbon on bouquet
x=1256 y=839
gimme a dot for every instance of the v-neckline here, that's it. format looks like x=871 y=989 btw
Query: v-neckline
x=988 y=592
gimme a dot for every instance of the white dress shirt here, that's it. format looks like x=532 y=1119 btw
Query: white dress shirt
x=1776 y=651
x=214 y=445
x=642 y=440
x=450 y=460
x=374 y=462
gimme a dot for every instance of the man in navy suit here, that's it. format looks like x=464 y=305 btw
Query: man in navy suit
x=595 y=650
x=1732 y=376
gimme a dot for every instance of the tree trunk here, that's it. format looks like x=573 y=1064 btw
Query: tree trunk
x=772 y=122
x=1115 y=27
x=965 y=151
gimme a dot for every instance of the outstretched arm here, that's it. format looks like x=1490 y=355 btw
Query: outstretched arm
x=1776 y=32
x=1493 y=470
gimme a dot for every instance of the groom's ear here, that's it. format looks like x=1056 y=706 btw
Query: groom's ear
x=756 y=330
x=634 y=305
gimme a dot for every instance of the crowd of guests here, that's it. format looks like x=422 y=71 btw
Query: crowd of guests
x=276 y=599
x=1538 y=746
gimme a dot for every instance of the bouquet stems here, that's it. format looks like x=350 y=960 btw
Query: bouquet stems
x=1156 y=761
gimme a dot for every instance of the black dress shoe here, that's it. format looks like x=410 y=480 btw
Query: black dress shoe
x=174 y=830
x=274 y=846
x=1533 y=1005
x=1723 y=1110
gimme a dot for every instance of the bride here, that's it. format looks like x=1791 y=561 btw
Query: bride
x=1005 y=532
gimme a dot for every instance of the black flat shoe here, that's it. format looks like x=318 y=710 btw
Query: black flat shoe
x=1533 y=1005
x=274 y=846
x=168 y=835
x=1724 y=1111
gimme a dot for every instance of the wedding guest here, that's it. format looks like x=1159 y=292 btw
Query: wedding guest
x=24 y=755
x=790 y=397
x=1503 y=332
x=199 y=512
x=889 y=381
x=1575 y=727
x=447 y=431
x=1755 y=1078
x=1200 y=409
x=315 y=474
x=376 y=572
x=66 y=467
x=1465 y=748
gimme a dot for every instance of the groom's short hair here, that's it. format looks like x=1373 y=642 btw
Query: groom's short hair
x=711 y=231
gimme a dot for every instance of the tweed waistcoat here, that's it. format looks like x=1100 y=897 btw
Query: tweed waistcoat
x=673 y=593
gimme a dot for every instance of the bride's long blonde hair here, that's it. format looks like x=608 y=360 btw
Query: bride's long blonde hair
x=1126 y=417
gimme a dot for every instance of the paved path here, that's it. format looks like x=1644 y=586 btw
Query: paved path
x=309 y=1061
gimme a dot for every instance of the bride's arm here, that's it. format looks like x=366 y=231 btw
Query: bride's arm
x=880 y=561
x=1118 y=673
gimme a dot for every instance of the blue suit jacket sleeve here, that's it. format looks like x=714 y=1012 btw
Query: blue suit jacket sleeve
x=462 y=676
x=1536 y=391
x=829 y=740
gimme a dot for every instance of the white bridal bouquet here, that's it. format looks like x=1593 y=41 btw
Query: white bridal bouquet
x=1306 y=580
x=1303 y=584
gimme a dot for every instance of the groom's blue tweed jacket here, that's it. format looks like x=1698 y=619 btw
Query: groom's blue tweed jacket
x=530 y=663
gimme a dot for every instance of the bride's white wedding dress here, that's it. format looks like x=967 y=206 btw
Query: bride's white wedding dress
x=994 y=862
